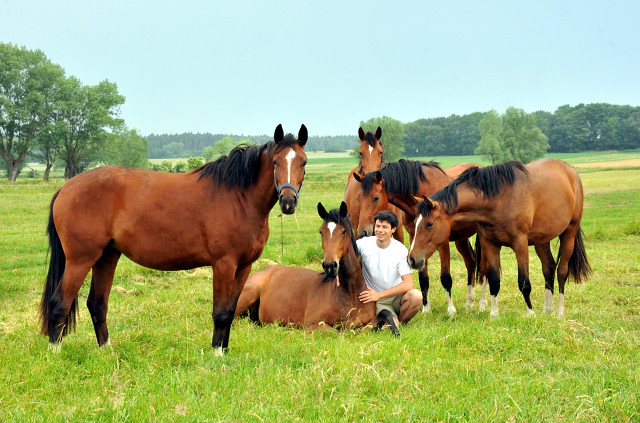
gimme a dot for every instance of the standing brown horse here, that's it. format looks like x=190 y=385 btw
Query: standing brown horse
x=216 y=215
x=306 y=298
x=515 y=206
x=398 y=183
x=371 y=158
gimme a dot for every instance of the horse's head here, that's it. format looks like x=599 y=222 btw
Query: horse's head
x=371 y=151
x=432 y=229
x=337 y=235
x=372 y=198
x=289 y=161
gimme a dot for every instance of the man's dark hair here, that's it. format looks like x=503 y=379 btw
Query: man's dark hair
x=386 y=216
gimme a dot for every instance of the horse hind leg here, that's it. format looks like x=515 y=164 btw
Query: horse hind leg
x=548 y=270
x=98 y=299
x=466 y=251
x=63 y=301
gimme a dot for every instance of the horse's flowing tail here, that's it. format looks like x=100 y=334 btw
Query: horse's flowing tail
x=579 y=267
x=54 y=276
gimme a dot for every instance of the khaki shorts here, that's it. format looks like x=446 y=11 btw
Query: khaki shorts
x=392 y=304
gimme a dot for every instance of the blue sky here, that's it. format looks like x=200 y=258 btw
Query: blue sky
x=243 y=67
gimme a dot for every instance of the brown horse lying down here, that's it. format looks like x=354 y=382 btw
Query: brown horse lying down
x=307 y=298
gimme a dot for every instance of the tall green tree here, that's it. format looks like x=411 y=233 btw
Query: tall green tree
x=127 y=147
x=26 y=79
x=490 y=131
x=514 y=136
x=91 y=112
x=392 y=135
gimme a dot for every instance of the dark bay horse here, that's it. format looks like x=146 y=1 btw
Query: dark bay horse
x=216 y=215
x=515 y=206
x=371 y=156
x=399 y=183
x=307 y=298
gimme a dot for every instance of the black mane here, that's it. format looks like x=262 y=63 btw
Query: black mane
x=240 y=169
x=402 y=177
x=488 y=181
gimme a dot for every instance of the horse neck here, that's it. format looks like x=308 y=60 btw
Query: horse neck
x=406 y=203
x=263 y=193
x=350 y=274
x=472 y=207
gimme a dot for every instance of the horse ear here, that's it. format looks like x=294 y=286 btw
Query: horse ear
x=379 y=133
x=303 y=135
x=378 y=176
x=361 y=134
x=322 y=212
x=428 y=202
x=278 y=135
x=357 y=177
x=343 y=209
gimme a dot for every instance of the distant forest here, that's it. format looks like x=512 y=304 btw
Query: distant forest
x=585 y=127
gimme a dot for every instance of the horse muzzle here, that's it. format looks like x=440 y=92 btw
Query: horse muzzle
x=330 y=269
x=288 y=203
x=416 y=263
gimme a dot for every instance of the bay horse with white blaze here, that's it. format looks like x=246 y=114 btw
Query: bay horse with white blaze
x=399 y=183
x=371 y=154
x=515 y=206
x=216 y=215
x=307 y=298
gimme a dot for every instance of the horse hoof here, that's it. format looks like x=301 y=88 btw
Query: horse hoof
x=530 y=313
x=219 y=352
x=560 y=313
x=494 y=314
x=452 y=311
x=482 y=306
x=55 y=347
x=426 y=308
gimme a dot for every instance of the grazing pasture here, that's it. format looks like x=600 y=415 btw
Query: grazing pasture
x=582 y=367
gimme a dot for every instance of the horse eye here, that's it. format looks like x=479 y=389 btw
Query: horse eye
x=304 y=164
x=275 y=163
x=429 y=224
x=376 y=199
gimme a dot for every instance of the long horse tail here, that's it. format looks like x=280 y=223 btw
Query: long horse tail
x=579 y=267
x=477 y=277
x=57 y=260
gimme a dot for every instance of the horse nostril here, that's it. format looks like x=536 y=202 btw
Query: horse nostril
x=412 y=262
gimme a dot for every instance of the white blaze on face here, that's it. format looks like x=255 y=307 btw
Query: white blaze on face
x=370 y=150
x=418 y=220
x=290 y=156
x=331 y=226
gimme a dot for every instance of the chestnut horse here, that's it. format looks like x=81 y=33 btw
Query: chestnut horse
x=515 y=206
x=307 y=298
x=398 y=183
x=371 y=158
x=216 y=215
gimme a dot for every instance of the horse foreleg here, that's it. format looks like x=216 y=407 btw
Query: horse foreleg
x=524 y=284
x=445 y=276
x=491 y=256
x=228 y=281
x=567 y=244
x=548 y=269
x=423 y=277
x=98 y=299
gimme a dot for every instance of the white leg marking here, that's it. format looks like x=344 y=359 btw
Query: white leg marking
x=55 y=347
x=451 y=309
x=482 y=305
x=219 y=352
x=427 y=307
x=494 y=307
x=548 y=302
x=560 y=305
x=530 y=312
x=290 y=156
x=471 y=296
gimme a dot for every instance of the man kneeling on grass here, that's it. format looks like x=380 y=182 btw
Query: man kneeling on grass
x=387 y=274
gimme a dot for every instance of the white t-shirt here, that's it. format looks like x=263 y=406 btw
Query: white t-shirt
x=383 y=268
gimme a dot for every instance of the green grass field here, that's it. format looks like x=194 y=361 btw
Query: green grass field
x=469 y=368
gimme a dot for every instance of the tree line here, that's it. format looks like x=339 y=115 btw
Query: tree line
x=53 y=118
